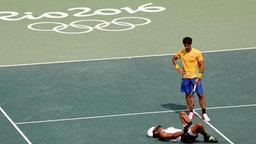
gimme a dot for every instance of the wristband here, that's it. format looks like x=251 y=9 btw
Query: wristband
x=200 y=75
x=187 y=126
x=185 y=130
x=177 y=66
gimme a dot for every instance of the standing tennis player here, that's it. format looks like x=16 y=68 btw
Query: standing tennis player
x=193 y=62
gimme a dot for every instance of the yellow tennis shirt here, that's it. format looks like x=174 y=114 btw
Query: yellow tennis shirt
x=190 y=61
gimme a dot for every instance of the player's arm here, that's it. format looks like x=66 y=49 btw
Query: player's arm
x=164 y=135
x=201 y=66
x=201 y=71
x=174 y=61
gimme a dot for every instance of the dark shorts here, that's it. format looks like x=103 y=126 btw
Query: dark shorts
x=187 y=85
x=186 y=138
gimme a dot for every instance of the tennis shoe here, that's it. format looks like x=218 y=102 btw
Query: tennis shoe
x=191 y=115
x=205 y=117
x=210 y=139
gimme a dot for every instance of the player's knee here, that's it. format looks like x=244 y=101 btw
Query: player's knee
x=200 y=125
x=200 y=95
x=182 y=113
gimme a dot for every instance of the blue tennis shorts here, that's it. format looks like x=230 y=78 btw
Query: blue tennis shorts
x=187 y=85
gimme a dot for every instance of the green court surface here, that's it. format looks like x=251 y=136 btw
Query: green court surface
x=213 y=24
x=117 y=100
x=87 y=72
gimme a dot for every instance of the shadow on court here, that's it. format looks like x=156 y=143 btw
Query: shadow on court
x=175 y=107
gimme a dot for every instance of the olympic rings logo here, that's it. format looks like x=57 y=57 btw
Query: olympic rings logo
x=86 y=26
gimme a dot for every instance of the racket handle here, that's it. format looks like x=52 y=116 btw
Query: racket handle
x=194 y=89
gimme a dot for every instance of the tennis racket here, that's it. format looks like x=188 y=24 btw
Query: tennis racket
x=193 y=91
x=192 y=99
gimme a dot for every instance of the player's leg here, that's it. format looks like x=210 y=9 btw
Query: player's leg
x=184 y=118
x=186 y=87
x=202 y=101
x=190 y=102
x=199 y=128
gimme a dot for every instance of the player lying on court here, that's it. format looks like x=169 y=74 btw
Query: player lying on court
x=187 y=135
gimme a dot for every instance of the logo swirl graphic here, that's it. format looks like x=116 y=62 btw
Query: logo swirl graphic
x=88 y=25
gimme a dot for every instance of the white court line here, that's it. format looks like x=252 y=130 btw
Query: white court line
x=15 y=126
x=116 y=58
x=222 y=108
x=94 y=117
x=215 y=129
x=123 y=115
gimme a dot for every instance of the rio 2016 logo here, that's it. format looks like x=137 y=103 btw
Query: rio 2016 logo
x=85 y=25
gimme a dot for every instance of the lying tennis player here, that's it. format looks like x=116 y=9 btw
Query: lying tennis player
x=187 y=135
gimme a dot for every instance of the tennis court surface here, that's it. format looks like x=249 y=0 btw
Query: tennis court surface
x=101 y=72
